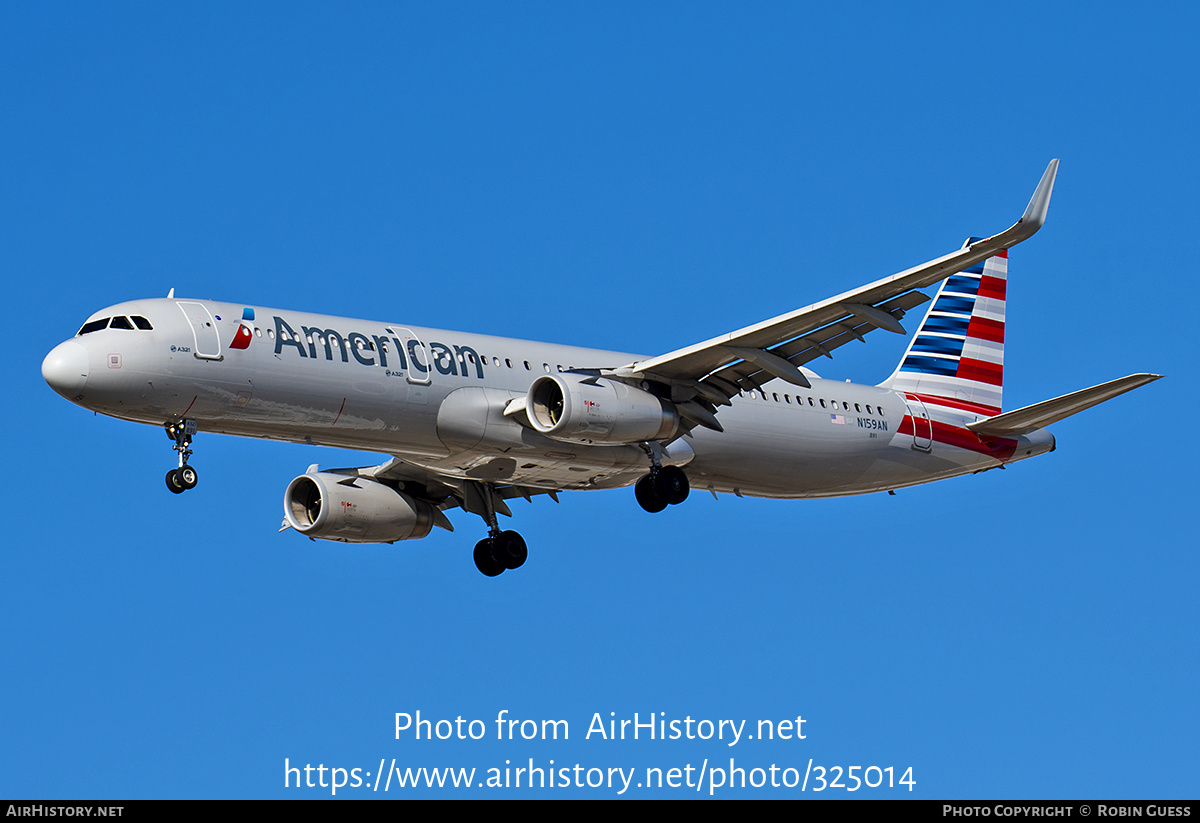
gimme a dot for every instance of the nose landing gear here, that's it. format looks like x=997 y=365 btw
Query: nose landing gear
x=183 y=478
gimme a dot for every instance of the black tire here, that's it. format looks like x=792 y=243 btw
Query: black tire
x=672 y=485
x=188 y=477
x=173 y=483
x=509 y=550
x=483 y=558
x=647 y=495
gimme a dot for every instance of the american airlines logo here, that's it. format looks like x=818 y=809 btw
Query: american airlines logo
x=378 y=350
x=243 y=335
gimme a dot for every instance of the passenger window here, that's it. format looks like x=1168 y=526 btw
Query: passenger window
x=142 y=323
x=822 y=404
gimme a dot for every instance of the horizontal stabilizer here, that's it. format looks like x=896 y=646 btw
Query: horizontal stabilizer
x=1040 y=415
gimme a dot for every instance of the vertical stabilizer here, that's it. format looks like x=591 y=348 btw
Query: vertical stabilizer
x=957 y=355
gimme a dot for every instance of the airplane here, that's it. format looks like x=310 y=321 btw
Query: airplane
x=472 y=421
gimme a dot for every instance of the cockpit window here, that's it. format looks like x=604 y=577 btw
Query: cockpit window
x=117 y=323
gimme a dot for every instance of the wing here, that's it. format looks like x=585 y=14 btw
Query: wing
x=714 y=371
x=442 y=491
x=448 y=492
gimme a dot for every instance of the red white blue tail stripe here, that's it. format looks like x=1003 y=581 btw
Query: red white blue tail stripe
x=956 y=358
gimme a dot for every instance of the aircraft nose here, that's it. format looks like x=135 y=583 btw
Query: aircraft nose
x=66 y=368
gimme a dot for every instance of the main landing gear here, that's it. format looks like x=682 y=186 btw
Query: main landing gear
x=183 y=478
x=663 y=486
x=500 y=550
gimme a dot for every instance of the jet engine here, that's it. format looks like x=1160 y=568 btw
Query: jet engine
x=353 y=509
x=582 y=409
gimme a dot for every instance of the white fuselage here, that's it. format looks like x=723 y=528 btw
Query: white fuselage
x=436 y=399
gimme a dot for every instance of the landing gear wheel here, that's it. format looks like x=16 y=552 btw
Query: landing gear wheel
x=671 y=484
x=183 y=478
x=509 y=549
x=647 y=495
x=662 y=487
x=484 y=560
x=173 y=482
x=187 y=477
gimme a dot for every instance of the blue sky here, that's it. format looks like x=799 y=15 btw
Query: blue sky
x=627 y=176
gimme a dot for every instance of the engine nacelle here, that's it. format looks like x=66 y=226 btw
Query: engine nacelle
x=353 y=509
x=595 y=410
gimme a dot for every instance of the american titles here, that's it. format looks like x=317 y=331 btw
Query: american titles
x=378 y=350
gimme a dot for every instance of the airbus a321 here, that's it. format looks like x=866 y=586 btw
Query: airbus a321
x=472 y=421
